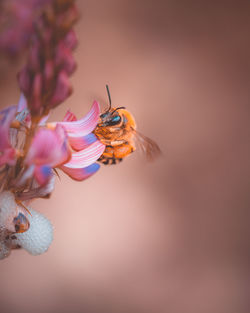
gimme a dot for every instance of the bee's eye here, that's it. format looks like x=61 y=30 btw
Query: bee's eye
x=115 y=120
x=102 y=116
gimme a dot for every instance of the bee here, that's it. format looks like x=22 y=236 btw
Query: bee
x=117 y=131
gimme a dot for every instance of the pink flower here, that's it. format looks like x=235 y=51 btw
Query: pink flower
x=69 y=145
x=49 y=149
x=45 y=79
x=86 y=148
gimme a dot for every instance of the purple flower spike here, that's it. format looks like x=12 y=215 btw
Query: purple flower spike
x=49 y=147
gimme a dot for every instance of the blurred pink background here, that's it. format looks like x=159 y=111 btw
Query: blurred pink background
x=170 y=236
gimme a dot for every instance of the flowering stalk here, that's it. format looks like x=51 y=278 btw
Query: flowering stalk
x=30 y=148
x=44 y=80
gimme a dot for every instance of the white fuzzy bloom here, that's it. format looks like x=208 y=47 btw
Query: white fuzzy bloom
x=5 y=248
x=37 y=239
x=8 y=210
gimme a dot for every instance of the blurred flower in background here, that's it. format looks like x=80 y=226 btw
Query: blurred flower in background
x=17 y=24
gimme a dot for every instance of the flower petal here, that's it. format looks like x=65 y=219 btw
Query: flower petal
x=69 y=117
x=43 y=174
x=7 y=152
x=27 y=174
x=38 y=191
x=44 y=119
x=7 y=156
x=22 y=103
x=81 y=173
x=85 y=125
x=23 y=114
x=87 y=156
x=49 y=147
x=6 y=117
x=81 y=142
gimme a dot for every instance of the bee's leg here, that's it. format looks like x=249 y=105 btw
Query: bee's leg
x=102 y=159
x=116 y=161
x=106 y=156
x=109 y=161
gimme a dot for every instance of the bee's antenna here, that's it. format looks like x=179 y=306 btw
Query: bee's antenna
x=117 y=109
x=107 y=87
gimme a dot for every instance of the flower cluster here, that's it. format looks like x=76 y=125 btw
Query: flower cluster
x=32 y=150
x=44 y=80
x=69 y=145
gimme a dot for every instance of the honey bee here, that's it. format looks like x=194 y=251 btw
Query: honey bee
x=117 y=130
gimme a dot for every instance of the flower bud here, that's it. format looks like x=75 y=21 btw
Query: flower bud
x=62 y=91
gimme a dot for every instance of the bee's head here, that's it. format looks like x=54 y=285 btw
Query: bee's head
x=116 y=116
x=111 y=116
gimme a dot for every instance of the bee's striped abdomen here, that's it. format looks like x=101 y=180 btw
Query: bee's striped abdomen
x=115 y=154
x=109 y=161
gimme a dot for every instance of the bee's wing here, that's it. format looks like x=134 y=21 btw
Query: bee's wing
x=148 y=147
